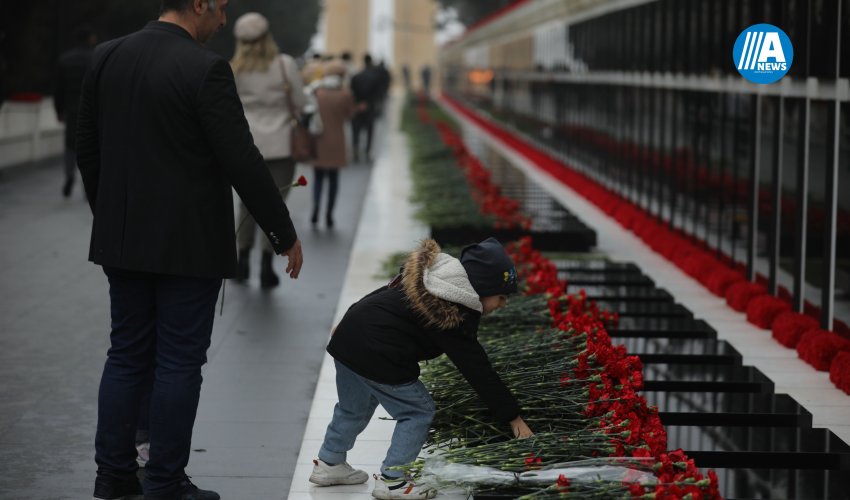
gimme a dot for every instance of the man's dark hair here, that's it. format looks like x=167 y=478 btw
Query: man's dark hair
x=83 y=33
x=367 y=60
x=178 y=5
x=346 y=56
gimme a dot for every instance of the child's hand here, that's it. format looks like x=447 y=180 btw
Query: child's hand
x=521 y=431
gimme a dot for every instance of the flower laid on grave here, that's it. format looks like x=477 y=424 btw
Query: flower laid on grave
x=579 y=392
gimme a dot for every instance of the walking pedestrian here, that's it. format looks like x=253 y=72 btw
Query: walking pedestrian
x=336 y=107
x=162 y=140
x=70 y=71
x=426 y=80
x=432 y=307
x=366 y=87
x=267 y=82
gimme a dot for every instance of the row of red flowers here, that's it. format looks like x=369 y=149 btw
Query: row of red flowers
x=719 y=275
x=614 y=394
x=485 y=192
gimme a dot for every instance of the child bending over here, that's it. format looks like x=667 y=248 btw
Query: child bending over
x=432 y=307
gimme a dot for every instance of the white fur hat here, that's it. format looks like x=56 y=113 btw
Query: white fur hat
x=250 y=27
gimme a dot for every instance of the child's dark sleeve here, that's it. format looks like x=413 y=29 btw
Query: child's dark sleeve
x=472 y=362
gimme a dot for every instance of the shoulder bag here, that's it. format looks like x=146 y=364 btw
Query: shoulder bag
x=301 y=142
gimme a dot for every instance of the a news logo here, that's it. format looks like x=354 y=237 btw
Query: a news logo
x=763 y=53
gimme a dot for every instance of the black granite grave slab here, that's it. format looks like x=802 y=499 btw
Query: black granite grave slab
x=682 y=350
x=627 y=309
x=733 y=409
x=783 y=484
x=596 y=266
x=761 y=447
x=625 y=293
x=587 y=278
x=705 y=378
x=661 y=327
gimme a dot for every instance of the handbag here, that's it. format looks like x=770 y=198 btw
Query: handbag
x=302 y=143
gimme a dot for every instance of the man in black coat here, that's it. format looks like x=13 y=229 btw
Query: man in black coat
x=70 y=71
x=366 y=87
x=162 y=138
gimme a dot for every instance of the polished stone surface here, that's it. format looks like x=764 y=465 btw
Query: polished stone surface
x=662 y=327
x=725 y=408
x=624 y=293
x=682 y=350
x=705 y=378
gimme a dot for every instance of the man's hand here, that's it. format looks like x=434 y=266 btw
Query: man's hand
x=296 y=259
x=521 y=431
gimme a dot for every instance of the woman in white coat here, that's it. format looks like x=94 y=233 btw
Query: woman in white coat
x=264 y=76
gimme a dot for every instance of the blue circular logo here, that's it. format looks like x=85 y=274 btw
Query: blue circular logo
x=763 y=53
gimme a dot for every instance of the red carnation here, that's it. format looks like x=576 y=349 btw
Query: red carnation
x=839 y=371
x=302 y=181
x=740 y=294
x=719 y=282
x=819 y=347
x=563 y=482
x=763 y=310
x=532 y=461
x=698 y=265
x=789 y=326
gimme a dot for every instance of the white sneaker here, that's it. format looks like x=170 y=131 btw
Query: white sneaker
x=143 y=451
x=387 y=489
x=329 y=475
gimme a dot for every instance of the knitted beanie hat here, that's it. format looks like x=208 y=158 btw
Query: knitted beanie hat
x=491 y=271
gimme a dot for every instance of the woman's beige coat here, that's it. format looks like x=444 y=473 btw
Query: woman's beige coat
x=264 y=100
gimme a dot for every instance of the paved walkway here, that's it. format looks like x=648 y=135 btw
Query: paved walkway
x=264 y=361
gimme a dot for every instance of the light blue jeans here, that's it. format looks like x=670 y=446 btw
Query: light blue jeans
x=409 y=404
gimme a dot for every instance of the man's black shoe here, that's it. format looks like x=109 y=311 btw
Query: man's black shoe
x=188 y=491
x=114 y=488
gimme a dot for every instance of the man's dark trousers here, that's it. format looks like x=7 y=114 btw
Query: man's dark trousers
x=160 y=324
x=360 y=121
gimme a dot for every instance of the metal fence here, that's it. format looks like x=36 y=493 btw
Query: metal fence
x=644 y=97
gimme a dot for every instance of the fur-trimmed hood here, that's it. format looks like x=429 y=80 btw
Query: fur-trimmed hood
x=436 y=286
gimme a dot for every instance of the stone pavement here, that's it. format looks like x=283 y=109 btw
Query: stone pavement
x=264 y=361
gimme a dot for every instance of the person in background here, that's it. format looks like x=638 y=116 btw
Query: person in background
x=426 y=80
x=432 y=307
x=405 y=75
x=385 y=79
x=312 y=70
x=70 y=71
x=366 y=87
x=162 y=141
x=263 y=78
x=336 y=107
x=349 y=67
